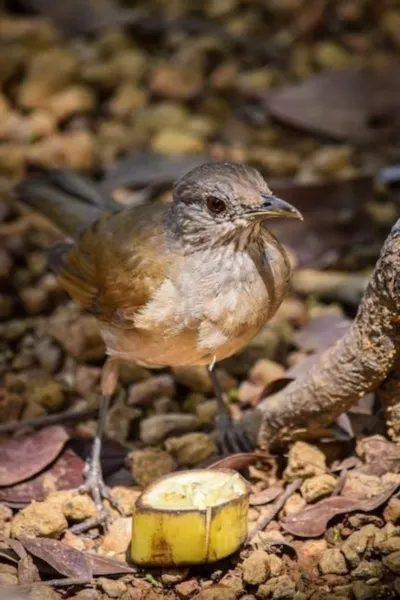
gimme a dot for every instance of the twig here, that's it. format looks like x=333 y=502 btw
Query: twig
x=275 y=508
x=88 y=524
x=337 y=490
x=61 y=417
x=354 y=366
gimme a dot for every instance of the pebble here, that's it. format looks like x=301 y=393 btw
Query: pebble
x=332 y=562
x=304 y=461
x=354 y=547
x=114 y=588
x=154 y=430
x=34 y=299
x=38 y=520
x=149 y=464
x=145 y=392
x=255 y=568
x=186 y=589
x=293 y=504
x=277 y=588
x=369 y=569
x=193 y=377
x=265 y=372
x=392 y=510
x=206 y=411
x=173 y=141
x=318 y=487
x=191 y=449
x=392 y=561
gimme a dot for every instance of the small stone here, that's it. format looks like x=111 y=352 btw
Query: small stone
x=71 y=101
x=277 y=163
x=368 y=570
x=265 y=372
x=332 y=561
x=192 y=448
x=392 y=561
x=173 y=141
x=310 y=553
x=154 y=430
x=357 y=542
x=318 y=487
x=216 y=592
x=176 y=82
x=328 y=160
x=206 y=411
x=293 y=504
x=145 y=392
x=391 y=544
x=43 y=592
x=328 y=54
x=39 y=520
x=392 y=510
x=47 y=393
x=194 y=377
x=364 y=591
x=89 y=594
x=118 y=537
x=114 y=588
x=255 y=568
x=126 y=496
x=149 y=464
x=304 y=461
x=35 y=300
x=278 y=588
x=79 y=507
x=276 y=565
x=250 y=393
x=186 y=589
x=173 y=576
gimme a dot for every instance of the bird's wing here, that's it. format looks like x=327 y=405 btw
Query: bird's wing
x=117 y=264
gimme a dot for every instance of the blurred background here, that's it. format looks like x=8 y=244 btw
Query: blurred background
x=136 y=93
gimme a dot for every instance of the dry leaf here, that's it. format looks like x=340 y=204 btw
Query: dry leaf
x=65 y=474
x=237 y=462
x=363 y=105
x=63 y=558
x=22 y=458
x=266 y=496
x=313 y=521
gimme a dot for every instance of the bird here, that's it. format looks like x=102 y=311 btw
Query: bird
x=188 y=282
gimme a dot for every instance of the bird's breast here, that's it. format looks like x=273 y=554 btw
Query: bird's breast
x=215 y=304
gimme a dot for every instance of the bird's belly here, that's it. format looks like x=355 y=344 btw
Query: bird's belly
x=155 y=349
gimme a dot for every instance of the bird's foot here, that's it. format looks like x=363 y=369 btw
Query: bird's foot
x=231 y=437
x=94 y=486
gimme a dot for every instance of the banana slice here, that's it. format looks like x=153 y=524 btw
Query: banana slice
x=190 y=517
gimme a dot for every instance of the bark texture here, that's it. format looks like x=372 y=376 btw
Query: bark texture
x=389 y=395
x=355 y=365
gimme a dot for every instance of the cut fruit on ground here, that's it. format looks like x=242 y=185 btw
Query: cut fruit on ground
x=190 y=517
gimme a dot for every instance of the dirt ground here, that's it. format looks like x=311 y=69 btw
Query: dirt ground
x=135 y=108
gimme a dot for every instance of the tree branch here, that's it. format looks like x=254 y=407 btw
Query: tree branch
x=354 y=366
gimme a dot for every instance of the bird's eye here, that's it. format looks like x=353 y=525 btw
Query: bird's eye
x=215 y=205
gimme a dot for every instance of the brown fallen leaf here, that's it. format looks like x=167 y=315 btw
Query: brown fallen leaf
x=22 y=458
x=313 y=521
x=321 y=333
x=237 y=462
x=335 y=218
x=265 y=496
x=363 y=105
x=71 y=562
x=148 y=169
x=66 y=473
x=102 y=565
x=380 y=456
x=63 y=558
x=351 y=462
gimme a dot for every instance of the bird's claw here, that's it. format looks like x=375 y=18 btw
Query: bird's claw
x=97 y=489
x=232 y=439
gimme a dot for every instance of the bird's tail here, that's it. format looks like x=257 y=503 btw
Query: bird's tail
x=68 y=200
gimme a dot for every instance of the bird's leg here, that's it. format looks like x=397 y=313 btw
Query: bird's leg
x=232 y=438
x=94 y=482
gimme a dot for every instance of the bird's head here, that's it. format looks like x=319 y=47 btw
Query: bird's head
x=218 y=201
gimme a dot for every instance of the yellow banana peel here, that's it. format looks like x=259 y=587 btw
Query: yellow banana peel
x=190 y=517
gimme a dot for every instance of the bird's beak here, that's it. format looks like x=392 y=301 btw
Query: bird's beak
x=273 y=207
